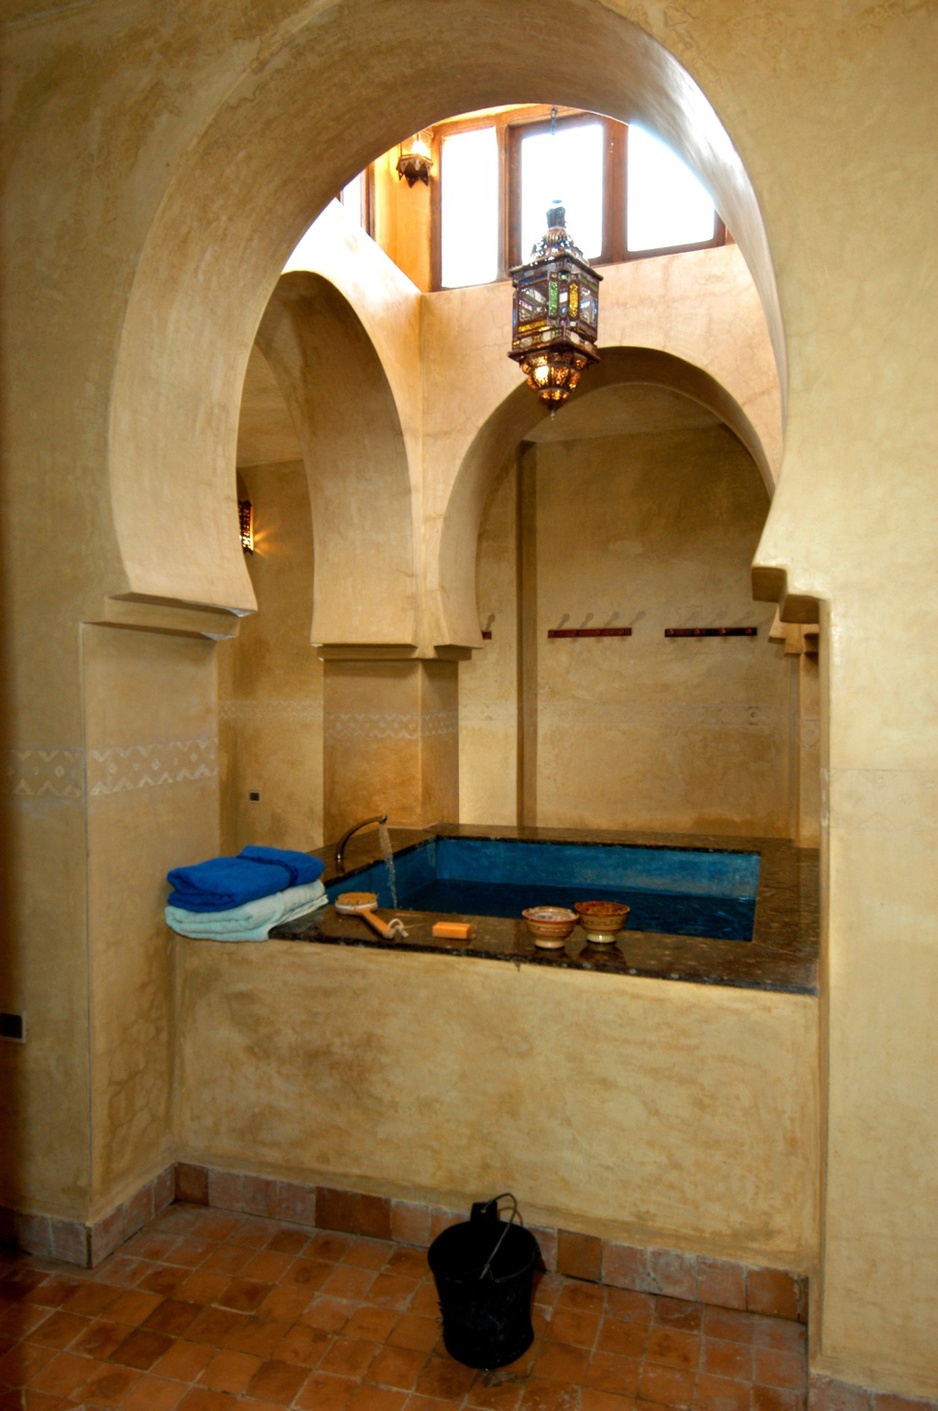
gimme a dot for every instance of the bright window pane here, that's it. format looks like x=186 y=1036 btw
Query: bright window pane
x=566 y=168
x=351 y=197
x=666 y=203
x=469 y=208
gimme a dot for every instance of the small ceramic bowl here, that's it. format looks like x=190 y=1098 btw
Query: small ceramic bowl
x=549 y=925
x=601 y=920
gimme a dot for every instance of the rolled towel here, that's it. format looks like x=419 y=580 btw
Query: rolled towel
x=224 y=883
x=251 y=922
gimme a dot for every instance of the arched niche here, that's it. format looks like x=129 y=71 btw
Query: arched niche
x=301 y=117
x=347 y=423
x=513 y=421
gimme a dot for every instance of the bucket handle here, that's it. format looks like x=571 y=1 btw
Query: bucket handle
x=515 y=1215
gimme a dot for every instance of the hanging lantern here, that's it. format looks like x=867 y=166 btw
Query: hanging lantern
x=555 y=312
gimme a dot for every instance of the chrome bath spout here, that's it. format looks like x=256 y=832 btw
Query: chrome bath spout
x=340 y=845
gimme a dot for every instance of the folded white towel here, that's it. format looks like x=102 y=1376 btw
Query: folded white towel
x=251 y=922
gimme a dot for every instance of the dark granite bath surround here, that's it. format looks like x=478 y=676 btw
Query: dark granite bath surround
x=782 y=954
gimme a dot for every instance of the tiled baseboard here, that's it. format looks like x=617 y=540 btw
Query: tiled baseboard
x=720 y=1282
x=828 y=1394
x=77 y=1243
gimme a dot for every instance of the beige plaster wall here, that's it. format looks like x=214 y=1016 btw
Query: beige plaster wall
x=440 y=1079
x=270 y=678
x=152 y=780
x=649 y=529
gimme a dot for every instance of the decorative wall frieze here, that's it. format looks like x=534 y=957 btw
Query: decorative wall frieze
x=688 y=715
x=890 y=800
x=51 y=771
x=250 y=712
x=390 y=724
x=122 y=767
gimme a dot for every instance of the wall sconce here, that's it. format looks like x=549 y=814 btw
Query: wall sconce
x=246 y=520
x=414 y=161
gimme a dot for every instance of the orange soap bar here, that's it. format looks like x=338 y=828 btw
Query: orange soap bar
x=452 y=930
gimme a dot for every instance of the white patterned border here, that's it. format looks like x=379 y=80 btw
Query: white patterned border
x=717 y=715
x=114 y=770
x=887 y=799
x=52 y=772
x=245 y=712
x=391 y=724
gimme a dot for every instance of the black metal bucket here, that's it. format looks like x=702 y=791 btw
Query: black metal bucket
x=484 y=1270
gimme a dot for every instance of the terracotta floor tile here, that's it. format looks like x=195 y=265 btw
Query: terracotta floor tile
x=184 y=1360
x=243 y=1295
x=673 y=1348
x=327 y=1245
x=277 y=1381
x=325 y=1393
x=491 y=1393
x=369 y=1254
x=327 y=1313
x=251 y=1403
x=678 y=1313
x=623 y=1339
x=163 y=1279
x=415 y=1330
x=617 y=1375
x=772 y=1368
x=230 y=1371
x=92 y=1298
x=348 y=1282
x=304 y=1345
x=22 y=1362
x=141 y=1349
x=133 y=1307
x=591 y=1298
x=254 y=1231
x=669 y=1386
x=425 y=1299
x=109 y=1388
x=560 y=1362
x=776 y=1399
x=65 y=1373
x=51 y=1293
x=714 y=1393
x=373 y=1324
x=442 y=1377
x=19 y=1320
x=591 y=1400
x=778 y=1333
x=226 y=1259
x=215 y=1226
x=173 y=1316
x=573 y=1326
x=547 y=1288
x=371 y=1398
x=416 y=1402
x=724 y=1323
x=309 y=1273
x=148 y=1245
x=392 y=1291
x=215 y=1325
x=190 y=1252
x=59 y=1329
x=410 y=1263
x=200 y=1399
x=257 y=1335
x=267 y=1266
x=349 y=1357
x=287 y=1240
x=202 y=1286
x=548 y=1396
x=727 y=1359
x=397 y=1367
x=153 y=1394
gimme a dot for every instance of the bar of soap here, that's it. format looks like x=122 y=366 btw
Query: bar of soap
x=452 y=930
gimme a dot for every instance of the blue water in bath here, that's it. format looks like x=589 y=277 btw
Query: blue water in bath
x=680 y=891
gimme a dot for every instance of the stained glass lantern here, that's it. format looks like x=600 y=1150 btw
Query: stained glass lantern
x=555 y=313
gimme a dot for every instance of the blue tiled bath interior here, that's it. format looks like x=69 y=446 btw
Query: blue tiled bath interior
x=679 y=891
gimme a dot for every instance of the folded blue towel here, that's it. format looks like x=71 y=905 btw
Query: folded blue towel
x=223 y=883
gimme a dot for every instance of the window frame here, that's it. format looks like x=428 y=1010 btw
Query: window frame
x=511 y=126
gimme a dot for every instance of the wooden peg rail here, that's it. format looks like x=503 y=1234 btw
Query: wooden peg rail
x=589 y=632
x=711 y=631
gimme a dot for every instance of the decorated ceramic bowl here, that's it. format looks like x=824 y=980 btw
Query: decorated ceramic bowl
x=549 y=925
x=601 y=920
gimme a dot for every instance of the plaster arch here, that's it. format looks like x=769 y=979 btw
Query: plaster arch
x=238 y=198
x=510 y=424
x=357 y=471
